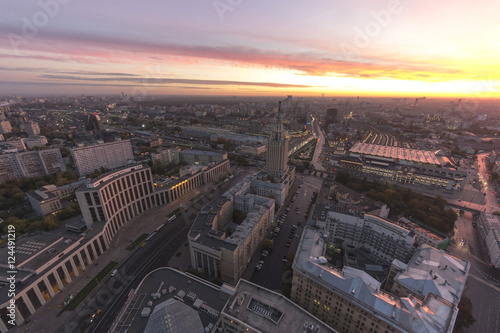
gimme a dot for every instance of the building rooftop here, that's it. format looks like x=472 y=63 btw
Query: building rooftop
x=410 y=314
x=437 y=272
x=173 y=316
x=399 y=153
x=202 y=231
x=267 y=311
x=41 y=196
x=205 y=299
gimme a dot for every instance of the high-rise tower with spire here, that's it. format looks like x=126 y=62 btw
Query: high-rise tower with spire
x=277 y=150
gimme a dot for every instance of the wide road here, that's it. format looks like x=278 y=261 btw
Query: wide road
x=319 y=146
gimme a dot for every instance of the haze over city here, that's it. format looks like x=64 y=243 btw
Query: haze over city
x=367 y=48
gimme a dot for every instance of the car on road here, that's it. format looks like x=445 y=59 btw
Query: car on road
x=94 y=316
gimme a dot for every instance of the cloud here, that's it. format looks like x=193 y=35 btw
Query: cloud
x=148 y=81
x=314 y=62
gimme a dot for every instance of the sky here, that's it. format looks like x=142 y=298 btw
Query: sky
x=251 y=47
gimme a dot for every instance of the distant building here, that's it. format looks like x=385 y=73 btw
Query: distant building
x=277 y=151
x=5 y=127
x=110 y=155
x=93 y=124
x=331 y=116
x=31 y=128
x=30 y=164
x=16 y=143
x=253 y=150
x=166 y=156
x=35 y=141
x=201 y=157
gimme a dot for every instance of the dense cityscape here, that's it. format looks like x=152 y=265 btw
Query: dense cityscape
x=241 y=166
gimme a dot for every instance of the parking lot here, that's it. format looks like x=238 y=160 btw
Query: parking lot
x=269 y=269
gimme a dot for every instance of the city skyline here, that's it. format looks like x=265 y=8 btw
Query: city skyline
x=364 y=48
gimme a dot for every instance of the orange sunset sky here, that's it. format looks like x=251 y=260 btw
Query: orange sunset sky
x=251 y=47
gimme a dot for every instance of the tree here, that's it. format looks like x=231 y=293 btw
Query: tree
x=267 y=243
x=51 y=222
x=238 y=216
x=465 y=318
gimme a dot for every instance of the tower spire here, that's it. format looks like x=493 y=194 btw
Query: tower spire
x=279 y=109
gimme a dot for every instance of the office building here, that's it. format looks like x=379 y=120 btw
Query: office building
x=110 y=155
x=489 y=229
x=255 y=309
x=349 y=300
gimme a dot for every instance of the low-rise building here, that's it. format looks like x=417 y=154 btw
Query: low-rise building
x=44 y=201
x=35 y=141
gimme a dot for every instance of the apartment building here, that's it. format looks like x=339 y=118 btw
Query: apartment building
x=5 y=127
x=110 y=155
x=350 y=300
x=430 y=271
x=222 y=248
x=382 y=238
x=489 y=229
x=30 y=164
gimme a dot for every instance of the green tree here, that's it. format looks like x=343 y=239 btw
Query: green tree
x=465 y=318
x=238 y=216
x=267 y=243
x=51 y=222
